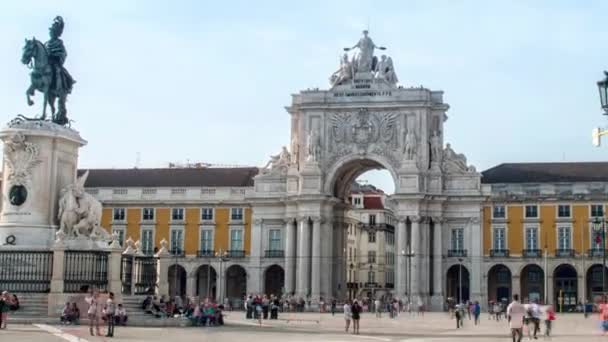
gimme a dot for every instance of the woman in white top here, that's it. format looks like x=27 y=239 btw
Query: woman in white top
x=347 y=315
x=92 y=312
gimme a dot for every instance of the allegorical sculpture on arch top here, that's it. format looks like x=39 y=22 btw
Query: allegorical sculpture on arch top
x=364 y=64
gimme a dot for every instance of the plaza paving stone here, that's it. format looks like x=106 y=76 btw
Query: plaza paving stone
x=310 y=327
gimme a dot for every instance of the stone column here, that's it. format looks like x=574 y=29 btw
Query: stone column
x=56 y=295
x=303 y=256
x=162 y=269
x=191 y=285
x=290 y=256
x=416 y=259
x=550 y=295
x=475 y=257
x=401 y=271
x=516 y=287
x=114 y=260
x=438 y=300
x=254 y=279
x=329 y=258
x=316 y=259
x=130 y=251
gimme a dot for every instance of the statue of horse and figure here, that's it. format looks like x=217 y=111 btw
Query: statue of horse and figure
x=80 y=213
x=48 y=74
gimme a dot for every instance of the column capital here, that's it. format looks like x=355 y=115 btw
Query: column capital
x=302 y=218
x=439 y=219
x=287 y=220
x=316 y=219
x=258 y=221
x=474 y=220
x=401 y=218
x=415 y=218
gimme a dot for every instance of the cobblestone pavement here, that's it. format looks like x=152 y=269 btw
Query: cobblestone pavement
x=434 y=327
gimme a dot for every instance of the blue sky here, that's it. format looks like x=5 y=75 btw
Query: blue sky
x=208 y=80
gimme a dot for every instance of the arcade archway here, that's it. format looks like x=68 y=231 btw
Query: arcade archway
x=274 y=280
x=499 y=283
x=565 y=287
x=177 y=280
x=206 y=282
x=457 y=283
x=236 y=284
x=532 y=283
x=595 y=282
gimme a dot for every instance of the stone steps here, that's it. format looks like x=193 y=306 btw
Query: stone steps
x=32 y=305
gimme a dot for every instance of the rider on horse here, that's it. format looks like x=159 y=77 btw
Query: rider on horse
x=62 y=80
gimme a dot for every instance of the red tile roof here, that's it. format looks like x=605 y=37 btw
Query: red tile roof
x=372 y=202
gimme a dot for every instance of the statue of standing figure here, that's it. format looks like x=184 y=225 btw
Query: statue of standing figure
x=314 y=146
x=436 y=148
x=410 y=145
x=48 y=75
x=365 y=61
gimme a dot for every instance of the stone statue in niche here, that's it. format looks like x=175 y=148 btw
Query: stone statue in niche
x=436 y=148
x=314 y=146
x=410 y=145
x=80 y=213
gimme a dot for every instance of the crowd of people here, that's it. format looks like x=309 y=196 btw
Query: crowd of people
x=201 y=313
x=99 y=311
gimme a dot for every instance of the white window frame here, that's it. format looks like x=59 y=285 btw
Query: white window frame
x=452 y=245
x=141 y=237
x=371 y=257
x=212 y=214
x=269 y=239
x=153 y=214
x=569 y=211
x=124 y=211
x=591 y=211
x=242 y=230
x=375 y=219
x=505 y=210
x=200 y=240
x=183 y=214
x=557 y=240
x=526 y=228
x=242 y=214
x=537 y=211
x=506 y=238
x=183 y=231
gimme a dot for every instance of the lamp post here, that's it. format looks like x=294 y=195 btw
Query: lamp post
x=409 y=256
x=460 y=280
x=222 y=256
x=599 y=227
x=602 y=86
x=352 y=283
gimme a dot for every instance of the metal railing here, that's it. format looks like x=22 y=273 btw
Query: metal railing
x=499 y=253
x=145 y=274
x=532 y=253
x=126 y=273
x=594 y=252
x=177 y=252
x=564 y=253
x=205 y=253
x=457 y=252
x=26 y=271
x=85 y=269
x=235 y=253
x=273 y=253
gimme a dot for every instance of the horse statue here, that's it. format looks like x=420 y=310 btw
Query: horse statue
x=80 y=213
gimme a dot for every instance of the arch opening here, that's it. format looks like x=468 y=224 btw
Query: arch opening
x=274 y=281
x=499 y=283
x=236 y=285
x=206 y=282
x=457 y=283
x=345 y=175
x=596 y=283
x=177 y=281
x=532 y=283
x=565 y=287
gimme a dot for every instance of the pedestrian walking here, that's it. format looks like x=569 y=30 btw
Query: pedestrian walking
x=334 y=303
x=604 y=316
x=348 y=315
x=92 y=312
x=110 y=310
x=459 y=312
x=476 y=311
x=5 y=307
x=515 y=314
x=549 y=318
x=535 y=317
x=378 y=307
x=356 y=314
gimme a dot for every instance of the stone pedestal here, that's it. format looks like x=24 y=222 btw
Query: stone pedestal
x=40 y=159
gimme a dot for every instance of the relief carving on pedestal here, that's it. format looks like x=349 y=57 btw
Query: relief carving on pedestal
x=364 y=133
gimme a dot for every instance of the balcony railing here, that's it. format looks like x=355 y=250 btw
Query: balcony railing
x=177 y=252
x=235 y=253
x=564 y=253
x=457 y=252
x=390 y=285
x=205 y=253
x=594 y=252
x=371 y=285
x=148 y=251
x=499 y=253
x=273 y=253
x=532 y=253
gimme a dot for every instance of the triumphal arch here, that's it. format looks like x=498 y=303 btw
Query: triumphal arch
x=364 y=121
